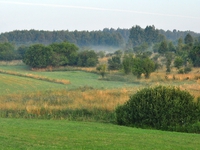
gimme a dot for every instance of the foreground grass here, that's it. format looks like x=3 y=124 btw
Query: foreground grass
x=62 y=134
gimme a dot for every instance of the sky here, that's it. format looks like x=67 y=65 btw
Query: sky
x=92 y=15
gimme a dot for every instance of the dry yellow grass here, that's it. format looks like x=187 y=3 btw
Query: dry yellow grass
x=37 y=103
x=61 y=100
x=103 y=60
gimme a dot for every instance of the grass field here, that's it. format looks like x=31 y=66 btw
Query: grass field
x=28 y=94
x=14 y=84
x=20 y=94
x=62 y=134
x=77 y=79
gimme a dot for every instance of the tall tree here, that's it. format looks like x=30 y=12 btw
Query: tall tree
x=114 y=63
x=7 y=52
x=127 y=63
x=137 y=35
x=188 y=39
x=194 y=55
x=163 y=48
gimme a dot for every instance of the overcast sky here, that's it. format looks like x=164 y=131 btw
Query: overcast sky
x=98 y=14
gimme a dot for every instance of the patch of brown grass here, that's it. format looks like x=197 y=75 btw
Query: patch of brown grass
x=103 y=60
x=61 y=100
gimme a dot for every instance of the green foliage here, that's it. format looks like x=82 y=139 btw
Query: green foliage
x=118 y=53
x=22 y=50
x=141 y=48
x=171 y=47
x=114 y=63
x=148 y=35
x=65 y=53
x=165 y=108
x=180 y=44
x=178 y=62
x=188 y=39
x=127 y=63
x=38 y=56
x=57 y=54
x=187 y=69
x=163 y=48
x=143 y=66
x=137 y=68
x=87 y=58
x=169 y=58
x=181 y=71
x=7 y=52
x=101 y=54
x=81 y=38
x=102 y=69
x=194 y=55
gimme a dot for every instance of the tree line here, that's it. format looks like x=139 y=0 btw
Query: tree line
x=58 y=54
x=80 y=38
x=136 y=57
x=106 y=37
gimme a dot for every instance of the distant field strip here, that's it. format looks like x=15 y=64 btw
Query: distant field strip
x=61 y=81
x=16 y=84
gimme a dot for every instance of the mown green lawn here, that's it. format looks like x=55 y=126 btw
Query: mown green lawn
x=62 y=134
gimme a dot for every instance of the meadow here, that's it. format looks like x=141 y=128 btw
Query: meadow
x=42 y=109
x=75 y=93
x=62 y=134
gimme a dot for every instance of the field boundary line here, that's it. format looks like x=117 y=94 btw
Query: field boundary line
x=60 y=81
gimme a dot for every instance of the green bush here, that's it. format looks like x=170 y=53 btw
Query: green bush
x=160 y=107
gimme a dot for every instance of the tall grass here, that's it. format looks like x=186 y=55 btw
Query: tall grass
x=82 y=103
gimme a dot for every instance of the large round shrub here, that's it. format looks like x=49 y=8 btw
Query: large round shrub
x=160 y=107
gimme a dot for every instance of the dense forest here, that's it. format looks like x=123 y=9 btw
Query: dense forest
x=106 y=37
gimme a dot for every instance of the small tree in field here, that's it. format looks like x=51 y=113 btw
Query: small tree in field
x=102 y=69
x=143 y=66
x=178 y=62
x=114 y=63
x=138 y=65
x=127 y=63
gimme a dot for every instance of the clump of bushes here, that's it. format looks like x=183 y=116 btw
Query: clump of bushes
x=185 y=70
x=160 y=107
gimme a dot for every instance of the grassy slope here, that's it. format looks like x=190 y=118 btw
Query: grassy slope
x=61 y=134
x=77 y=78
x=14 y=84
